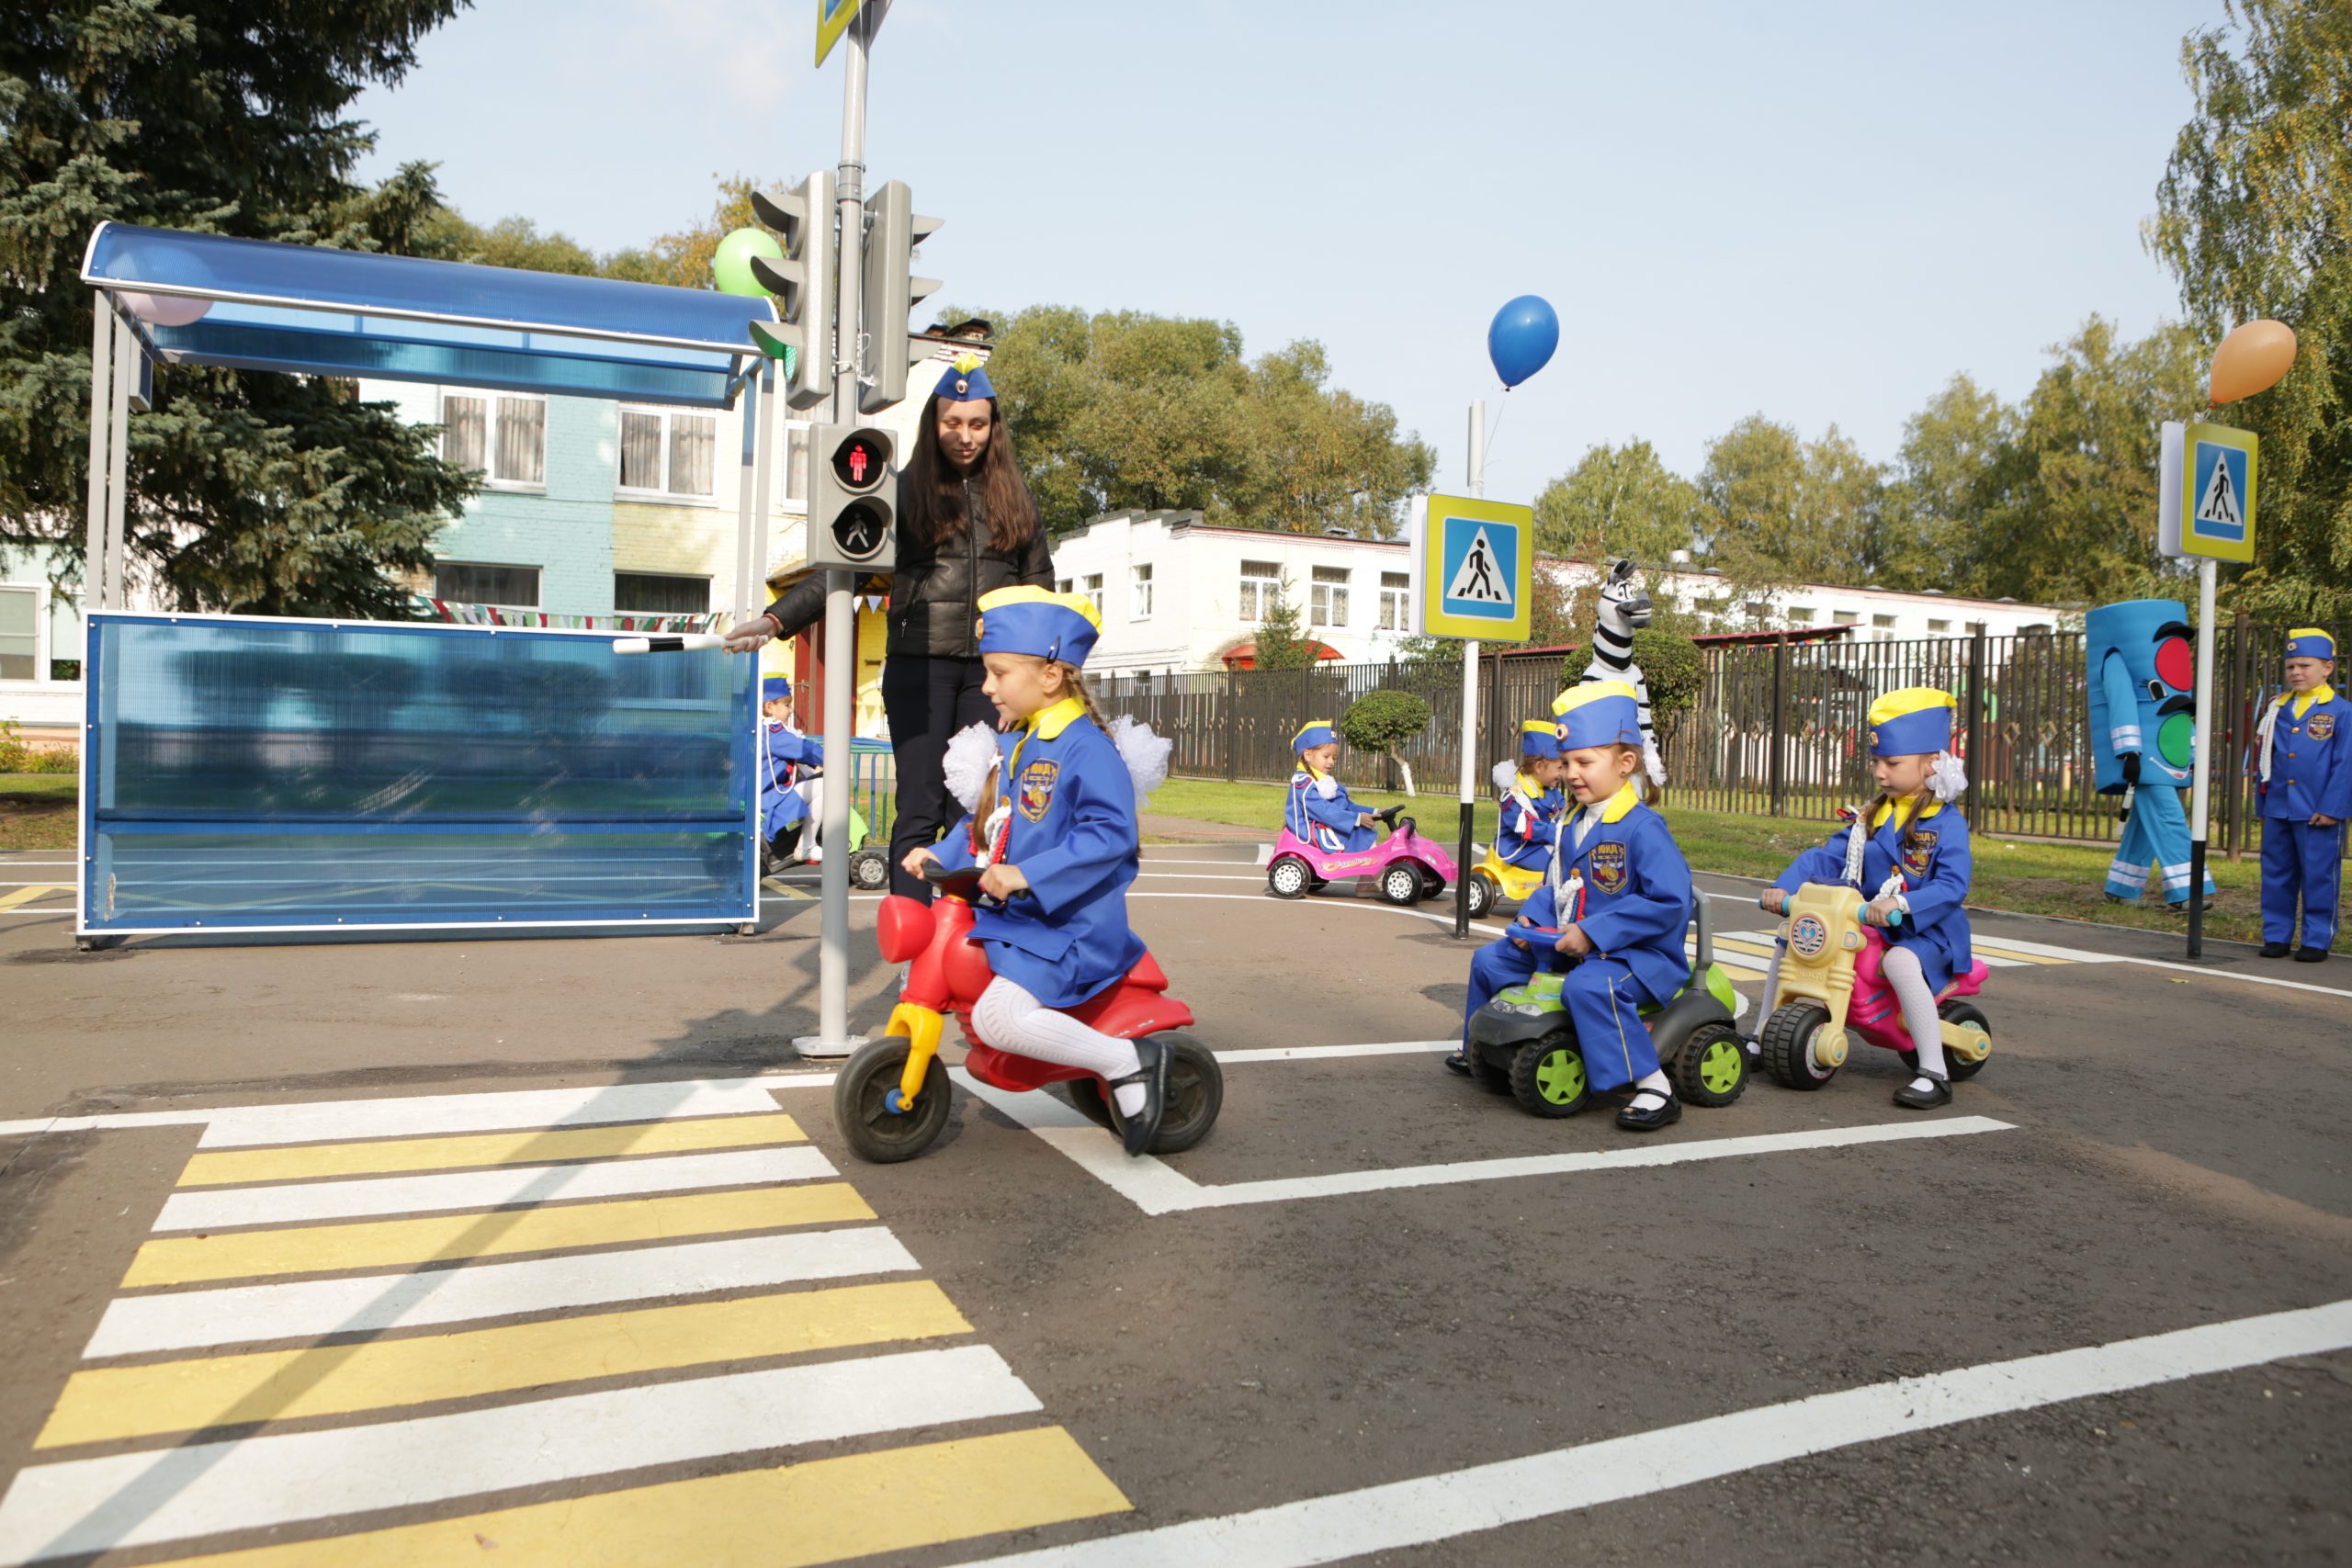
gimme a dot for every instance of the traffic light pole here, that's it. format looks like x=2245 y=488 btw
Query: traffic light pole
x=1470 y=694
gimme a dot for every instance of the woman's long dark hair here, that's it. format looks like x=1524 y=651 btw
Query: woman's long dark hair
x=933 y=494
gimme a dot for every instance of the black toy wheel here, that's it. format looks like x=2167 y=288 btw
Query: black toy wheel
x=863 y=1095
x=1548 y=1078
x=1401 y=884
x=1485 y=1075
x=1085 y=1098
x=1432 y=882
x=1288 y=878
x=1711 y=1067
x=1788 y=1046
x=1482 y=894
x=869 y=871
x=1195 y=1094
x=1965 y=1015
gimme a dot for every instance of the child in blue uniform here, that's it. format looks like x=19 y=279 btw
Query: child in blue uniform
x=1532 y=798
x=1060 y=847
x=1911 y=851
x=784 y=796
x=2303 y=759
x=1620 y=905
x=1320 y=811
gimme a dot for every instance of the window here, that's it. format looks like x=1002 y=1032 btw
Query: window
x=1801 y=615
x=20 y=633
x=1395 y=589
x=1327 y=604
x=1262 y=588
x=656 y=594
x=1976 y=629
x=503 y=439
x=1062 y=585
x=1938 y=629
x=470 y=583
x=668 y=452
x=1093 y=592
x=1884 y=623
x=1758 y=611
x=1139 y=592
x=1843 y=618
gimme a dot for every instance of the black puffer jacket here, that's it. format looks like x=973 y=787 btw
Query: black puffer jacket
x=936 y=589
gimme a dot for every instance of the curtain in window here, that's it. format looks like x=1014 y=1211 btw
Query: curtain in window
x=464 y=433
x=641 y=450
x=523 y=440
x=20 y=633
x=694 y=444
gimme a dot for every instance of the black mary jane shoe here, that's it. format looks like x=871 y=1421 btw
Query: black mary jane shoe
x=1137 y=1131
x=1927 y=1099
x=1459 y=1063
x=1634 y=1120
x=2276 y=950
x=2310 y=954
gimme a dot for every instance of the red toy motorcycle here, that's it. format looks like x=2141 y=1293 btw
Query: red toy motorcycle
x=891 y=1099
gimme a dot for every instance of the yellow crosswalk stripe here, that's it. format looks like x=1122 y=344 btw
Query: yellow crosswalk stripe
x=1998 y=951
x=546 y=1145
x=110 y=1403
x=898 y=1500
x=16 y=896
x=384 y=1244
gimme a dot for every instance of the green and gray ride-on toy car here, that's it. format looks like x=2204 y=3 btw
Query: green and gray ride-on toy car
x=1521 y=1044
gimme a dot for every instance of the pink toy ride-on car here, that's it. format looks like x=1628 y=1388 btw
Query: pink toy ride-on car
x=1405 y=867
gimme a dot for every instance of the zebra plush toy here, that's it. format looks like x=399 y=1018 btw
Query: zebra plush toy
x=1624 y=610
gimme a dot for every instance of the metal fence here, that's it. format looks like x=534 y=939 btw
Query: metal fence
x=1775 y=729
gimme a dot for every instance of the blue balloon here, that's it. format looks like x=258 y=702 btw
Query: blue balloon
x=1520 y=342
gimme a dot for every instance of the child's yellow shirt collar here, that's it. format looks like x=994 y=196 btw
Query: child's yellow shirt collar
x=1614 y=808
x=1050 y=722
x=1901 y=811
x=2303 y=701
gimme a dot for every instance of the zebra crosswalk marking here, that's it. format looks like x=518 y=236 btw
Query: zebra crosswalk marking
x=229 y=1168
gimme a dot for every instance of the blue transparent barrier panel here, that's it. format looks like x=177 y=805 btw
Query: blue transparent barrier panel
x=268 y=773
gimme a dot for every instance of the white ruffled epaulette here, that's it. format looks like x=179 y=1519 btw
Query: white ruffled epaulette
x=1326 y=785
x=1505 y=775
x=1655 y=763
x=971 y=755
x=1947 y=779
x=1145 y=754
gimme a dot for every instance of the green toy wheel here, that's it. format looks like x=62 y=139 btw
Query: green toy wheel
x=1711 y=1067
x=1548 y=1078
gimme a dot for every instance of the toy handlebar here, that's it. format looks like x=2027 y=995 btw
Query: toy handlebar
x=962 y=881
x=683 y=642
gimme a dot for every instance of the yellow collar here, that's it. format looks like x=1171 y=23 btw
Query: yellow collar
x=2303 y=701
x=1048 y=723
x=1530 y=788
x=1901 y=811
x=1614 y=808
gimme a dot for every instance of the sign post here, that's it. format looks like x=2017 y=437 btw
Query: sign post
x=1476 y=567
x=2205 y=506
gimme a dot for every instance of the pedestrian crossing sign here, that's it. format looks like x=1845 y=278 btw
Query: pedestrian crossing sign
x=1477 y=569
x=2217 y=497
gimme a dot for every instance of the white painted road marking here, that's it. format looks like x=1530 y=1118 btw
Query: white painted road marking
x=1440 y=1507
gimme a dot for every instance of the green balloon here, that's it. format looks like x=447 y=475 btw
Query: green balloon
x=732 y=263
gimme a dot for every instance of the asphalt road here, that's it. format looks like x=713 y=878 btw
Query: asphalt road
x=495 y=1251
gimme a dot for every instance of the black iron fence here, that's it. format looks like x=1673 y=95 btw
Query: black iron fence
x=1775 y=729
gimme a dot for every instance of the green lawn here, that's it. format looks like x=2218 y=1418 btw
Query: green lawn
x=2028 y=876
x=37 y=810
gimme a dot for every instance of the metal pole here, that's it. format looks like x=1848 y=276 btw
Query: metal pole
x=1469 y=770
x=2201 y=748
x=841 y=628
x=126 y=365
x=93 y=552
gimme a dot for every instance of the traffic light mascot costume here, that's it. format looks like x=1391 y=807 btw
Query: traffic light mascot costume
x=2303 y=769
x=1531 y=804
x=2142 y=729
x=1320 y=811
x=1059 y=846
x=1620 y=908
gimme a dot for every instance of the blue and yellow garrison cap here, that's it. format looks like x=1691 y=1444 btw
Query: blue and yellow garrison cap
x=1539 y=737
x=966 y=381
x=1599 y=713
x=775 y=686
x=1045 y=626
x=1913 y=722
x=2309 y=642
x=1317 y=732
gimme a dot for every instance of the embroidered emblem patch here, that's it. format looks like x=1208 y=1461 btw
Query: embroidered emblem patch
x=1808 y=936
x=2322 y=725
x=1921 y=852
x=1609 y=867
x=1037 y=788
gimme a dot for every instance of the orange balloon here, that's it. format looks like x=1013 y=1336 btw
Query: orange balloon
x=2252 y=359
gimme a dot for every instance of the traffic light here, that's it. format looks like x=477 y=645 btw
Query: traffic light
x=803 y=285
x=893 y=232
x=853 y=499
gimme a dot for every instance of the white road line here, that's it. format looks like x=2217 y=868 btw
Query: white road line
x=2232 y=974
x=174 y=1494
x=1157 y=1188
x=1326 y=1053
x=1150 y=859
x=1196 y=877
x=334 y=1121
x=1439 y=1508
x=2042 y=950
x=189 y=1320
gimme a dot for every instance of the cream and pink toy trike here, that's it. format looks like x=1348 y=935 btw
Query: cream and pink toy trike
x=1831 y=987
x=1405 y=867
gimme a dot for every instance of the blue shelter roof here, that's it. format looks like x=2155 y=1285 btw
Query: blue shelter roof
x=326 y=312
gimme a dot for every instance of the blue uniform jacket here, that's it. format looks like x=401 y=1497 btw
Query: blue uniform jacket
x=1073 y=835
x=1524 y=835
x=1330 y=824
x=1935 y=881
x=1635 y=901
x=2310 y=759
x=788 y=751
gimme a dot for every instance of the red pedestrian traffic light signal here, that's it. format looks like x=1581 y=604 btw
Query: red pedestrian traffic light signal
x=861 y=458
x=852 y=499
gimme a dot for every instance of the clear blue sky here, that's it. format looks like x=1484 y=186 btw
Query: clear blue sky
x=1819 y=211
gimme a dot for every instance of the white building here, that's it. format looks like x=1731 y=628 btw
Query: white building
x=1179 y=595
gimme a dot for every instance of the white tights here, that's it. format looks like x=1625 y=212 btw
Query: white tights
x=1909 y=983
x=1009 y=1019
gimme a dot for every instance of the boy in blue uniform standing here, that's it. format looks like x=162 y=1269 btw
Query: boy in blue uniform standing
x=1320 y=811
x=1619 y=906
x=1060 y=847
x=1532 y=798
x=2303 y=758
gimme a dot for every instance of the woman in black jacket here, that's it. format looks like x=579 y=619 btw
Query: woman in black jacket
x=966 y=526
